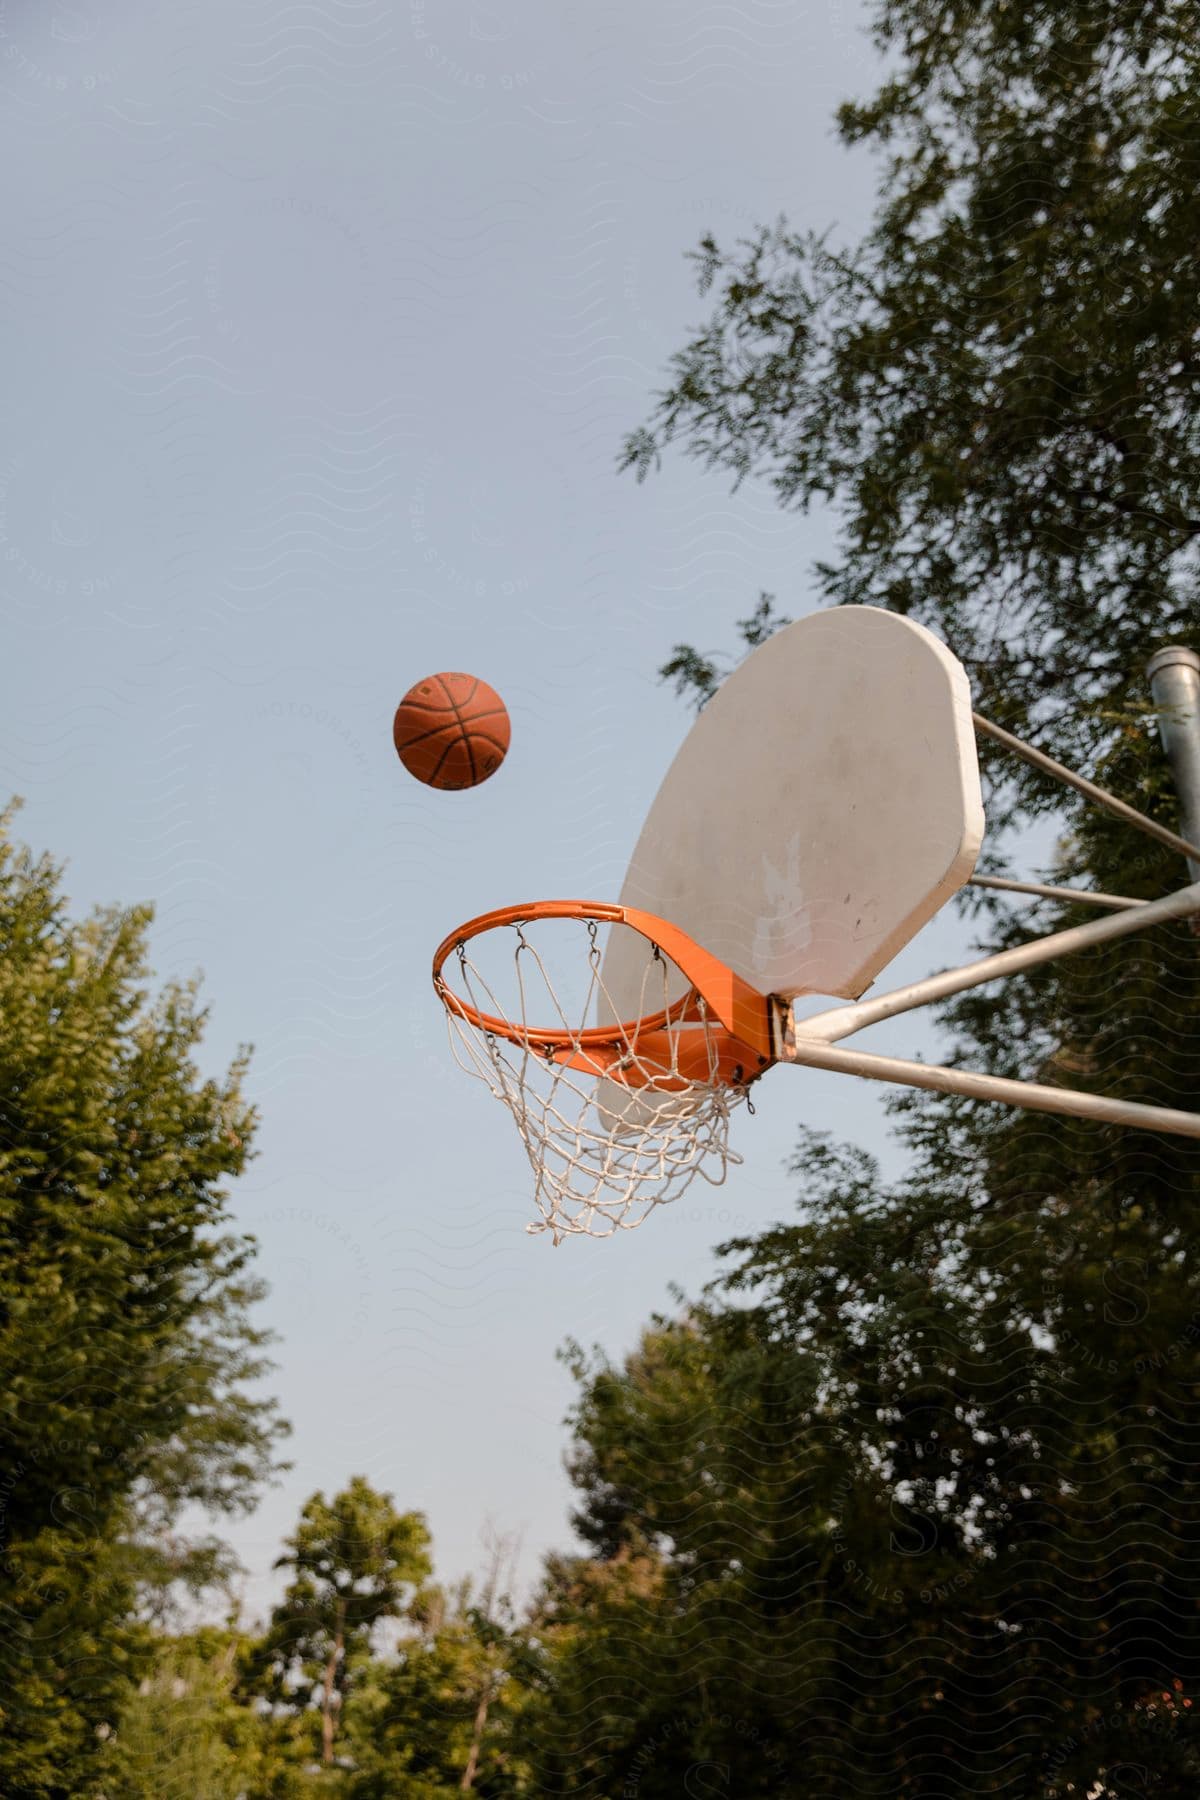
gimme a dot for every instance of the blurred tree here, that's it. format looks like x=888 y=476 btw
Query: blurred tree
x=356 y=1561
x=439 y=1720
x=184 y=1733
x=127 y=1356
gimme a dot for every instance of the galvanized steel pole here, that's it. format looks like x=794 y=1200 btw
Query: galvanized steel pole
x=841 y=1021
x=1120 y=809
x=1033 y=1096
x=1078 y=896
x=1175 y=684
x=812 y=1042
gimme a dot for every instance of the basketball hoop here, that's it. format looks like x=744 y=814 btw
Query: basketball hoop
x=823 y=808
x=616 y=1117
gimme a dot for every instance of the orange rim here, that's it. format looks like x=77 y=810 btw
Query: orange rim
x=741 y=1009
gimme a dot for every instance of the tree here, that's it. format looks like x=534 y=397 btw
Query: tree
x=492 y=1622
x=127 y=1351
x=997 y=389
x=184 y=1732
x=911 y=1495
x=983 y=1564
x=697 y=677
x=356 y=1562
x=681 y=1654
x=193 y=1728
x=443 y=1717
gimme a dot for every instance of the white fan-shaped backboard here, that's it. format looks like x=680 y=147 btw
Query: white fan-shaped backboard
x=823 y=807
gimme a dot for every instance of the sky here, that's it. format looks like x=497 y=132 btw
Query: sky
x=326 y=322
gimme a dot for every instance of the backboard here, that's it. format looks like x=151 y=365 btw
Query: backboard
x=822 y=808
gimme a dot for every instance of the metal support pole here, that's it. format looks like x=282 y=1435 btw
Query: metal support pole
x=1031 y=1095
x=1038 y=759
x=1080 y=896
x=1175 y=684
x=840 y=1021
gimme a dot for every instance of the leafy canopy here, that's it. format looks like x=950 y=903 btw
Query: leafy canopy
x=355 y=1561
x=128 y=1359
x=998 y=388
x=907 y=1502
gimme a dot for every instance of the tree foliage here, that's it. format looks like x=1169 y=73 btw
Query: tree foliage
x=127 y=1352
x=356 y=1561
x=997 y=388
x=184 y=1733
x=442 y=1717
x=908 y=1503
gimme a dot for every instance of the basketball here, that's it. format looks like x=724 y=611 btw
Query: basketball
x=451 y=730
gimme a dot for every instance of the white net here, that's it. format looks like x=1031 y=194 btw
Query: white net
x=610 y=1132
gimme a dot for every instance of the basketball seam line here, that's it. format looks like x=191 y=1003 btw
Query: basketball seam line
x=427 y=706
x=446 y=725
x=462 y=725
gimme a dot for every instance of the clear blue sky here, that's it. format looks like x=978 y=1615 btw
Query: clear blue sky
x=324 y=324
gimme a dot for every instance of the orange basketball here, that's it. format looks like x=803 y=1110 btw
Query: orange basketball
x=451 y=730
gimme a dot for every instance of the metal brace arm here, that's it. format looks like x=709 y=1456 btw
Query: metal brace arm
x=1120 y=809
x=827 y=1027
x=810 y=1041
x=1032 y=1095
x=1175 y=681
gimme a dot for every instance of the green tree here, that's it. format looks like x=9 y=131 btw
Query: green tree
x=184 y=1733
x=970 y=1551
x=912 y=1493
x=442 y=1717
x=194 y=1729
x=997 y=389
x=127 y=1352
x=679 y=1656
x=356 y=1561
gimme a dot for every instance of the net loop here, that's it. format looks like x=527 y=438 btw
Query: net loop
x=618 y=1116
